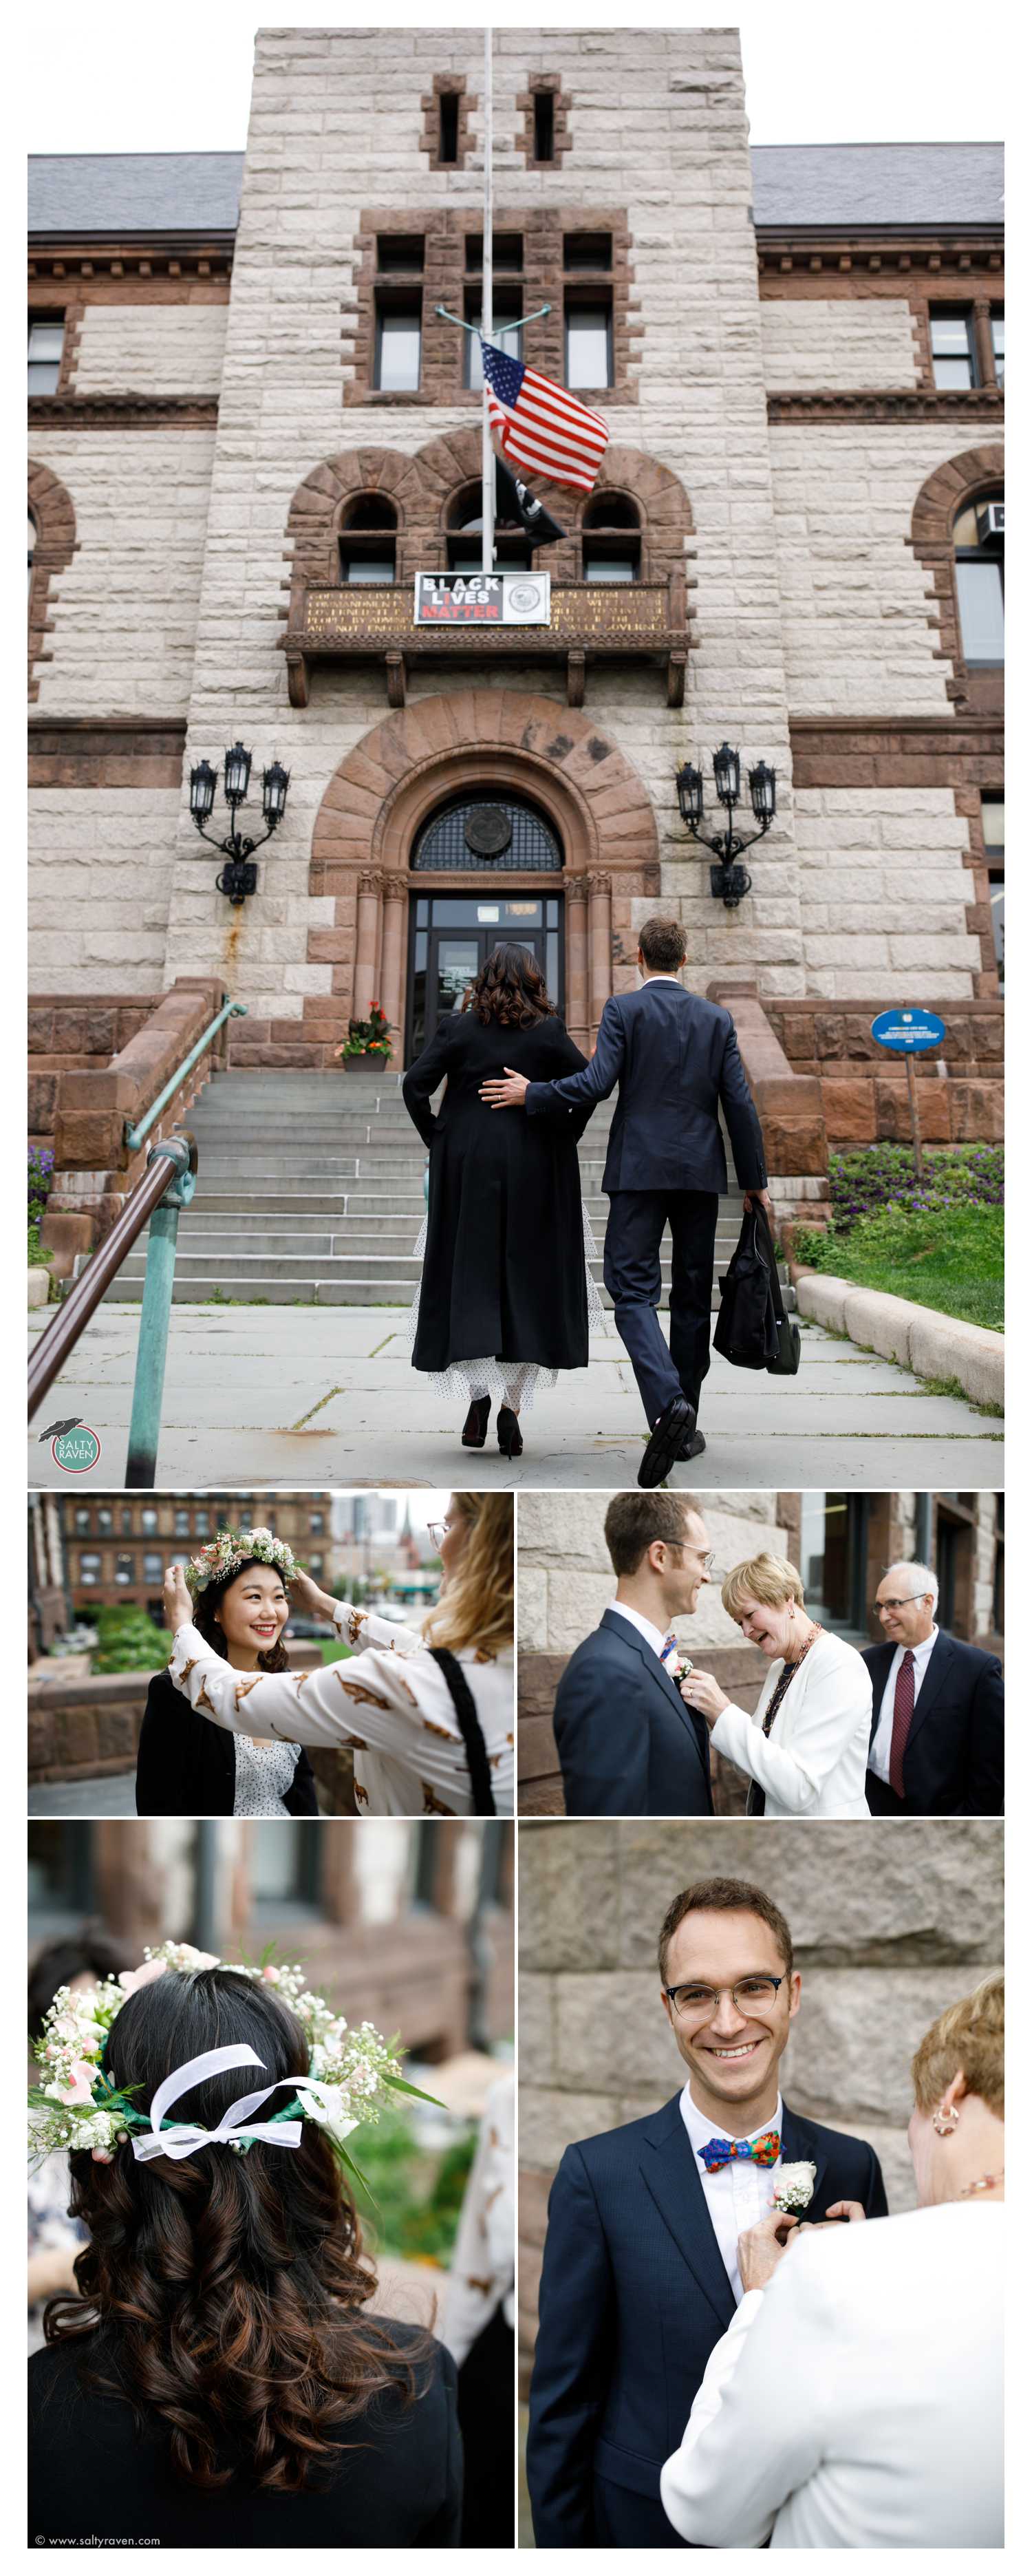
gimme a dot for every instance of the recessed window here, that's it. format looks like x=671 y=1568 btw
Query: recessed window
x=182 y=1524
x=105 y=1521
x=587 y=250
x=368 y=544
x=544 y=125
x=315 y=1565
x=448 y=127
x=89 y=1569
x=506 y=251
x=978 y=545
x=513 y=550
x=504 y=336
x=993 y=838
x=46 y=342
x=399 y=251
x=83 y=1517
x=589 y=343
x=398 y=344
x=611 y=538
x=153 y=1568
x=996 y=326
x=953 y=347
x=317 y=1523
x=149 y=1521
x=123 y=1570
x=32 y=545
x=202 y=1524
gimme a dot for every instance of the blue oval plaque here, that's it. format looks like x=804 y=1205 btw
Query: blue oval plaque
x=908 y=1032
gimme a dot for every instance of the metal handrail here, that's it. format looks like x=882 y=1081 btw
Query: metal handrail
x=59 y=1337
x=134 y=1136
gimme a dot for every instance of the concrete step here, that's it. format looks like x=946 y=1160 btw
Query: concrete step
x=304 y=1289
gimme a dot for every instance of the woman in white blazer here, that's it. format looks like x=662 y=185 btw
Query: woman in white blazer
x=806 y=1747
x=393 y=1699
x=856 y=2402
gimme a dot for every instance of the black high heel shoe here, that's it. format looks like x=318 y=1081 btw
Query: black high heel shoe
x=474 y=1429
x=510 y=1437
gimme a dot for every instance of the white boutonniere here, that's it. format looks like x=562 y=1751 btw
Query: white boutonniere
x=793 y=2189
x=677 y=1665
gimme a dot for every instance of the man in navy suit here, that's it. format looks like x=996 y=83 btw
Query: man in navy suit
x=937 y=1722
x=627 y=1744
x=676 y=1061
x=648 y=2227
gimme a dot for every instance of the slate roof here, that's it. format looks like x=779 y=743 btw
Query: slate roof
x=929 y=184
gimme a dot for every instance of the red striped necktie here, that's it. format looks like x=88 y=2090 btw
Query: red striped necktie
x=902 y=1719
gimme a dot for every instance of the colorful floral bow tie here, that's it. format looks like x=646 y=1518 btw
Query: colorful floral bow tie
x=730 y=2151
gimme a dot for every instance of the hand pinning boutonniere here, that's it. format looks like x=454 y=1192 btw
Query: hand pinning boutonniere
x=677 y=1665
x=793 y=2189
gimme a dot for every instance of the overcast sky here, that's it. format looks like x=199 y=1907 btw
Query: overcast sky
x=178 y=79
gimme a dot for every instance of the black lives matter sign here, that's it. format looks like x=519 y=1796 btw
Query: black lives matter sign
x=482 y=599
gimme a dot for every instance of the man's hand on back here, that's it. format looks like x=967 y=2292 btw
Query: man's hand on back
x=509 y=1094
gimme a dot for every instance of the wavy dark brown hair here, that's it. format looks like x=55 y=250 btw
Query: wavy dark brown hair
x=206 y=1617
x=224 y=2296
x=511 y=989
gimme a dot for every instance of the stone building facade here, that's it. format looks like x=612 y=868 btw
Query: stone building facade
x=841 y=1543
x=882 y=1951
x=224 y=474
x=114 y=1548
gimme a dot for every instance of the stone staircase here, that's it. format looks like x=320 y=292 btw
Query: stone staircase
x=310 y=1191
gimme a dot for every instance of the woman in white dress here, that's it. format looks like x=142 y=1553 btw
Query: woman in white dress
x=429 y=1716
x=856 y=2401
x=805 y=1748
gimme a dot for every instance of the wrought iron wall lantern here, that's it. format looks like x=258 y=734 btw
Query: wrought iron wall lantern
x=239 y=877
x=728 y=881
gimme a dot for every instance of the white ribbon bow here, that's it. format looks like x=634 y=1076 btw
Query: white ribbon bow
x=185 y=2138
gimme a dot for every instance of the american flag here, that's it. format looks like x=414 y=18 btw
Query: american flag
x=540 y=426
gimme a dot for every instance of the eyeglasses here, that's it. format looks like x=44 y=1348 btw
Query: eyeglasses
x=696 y=2003
x=438 y=1530
x=904 y=1603
x=707 y=1562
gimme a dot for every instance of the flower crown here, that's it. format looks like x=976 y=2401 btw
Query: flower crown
x=225 y=1555
x=352 y=2073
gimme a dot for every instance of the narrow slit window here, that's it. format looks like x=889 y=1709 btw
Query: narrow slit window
x=544 y=125
x=448 y=136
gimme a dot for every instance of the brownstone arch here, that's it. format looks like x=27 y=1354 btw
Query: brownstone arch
x=50 y=508
x=504 y=740
x=963 y=479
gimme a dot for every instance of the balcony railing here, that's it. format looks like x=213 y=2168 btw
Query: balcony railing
x=592 y=621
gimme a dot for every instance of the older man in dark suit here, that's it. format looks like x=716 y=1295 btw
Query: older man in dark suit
x=937 y=1725
x=676 y=1061
x=647 y=2252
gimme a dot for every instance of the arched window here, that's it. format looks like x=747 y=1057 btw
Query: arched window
x=482 y=830
x=33 y=533
x=978 y=553
x=611 y=538
x=368 y=539
x=513 y=550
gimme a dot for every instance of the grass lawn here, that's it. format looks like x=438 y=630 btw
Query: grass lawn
x=332 y=1649
x=950 y=1259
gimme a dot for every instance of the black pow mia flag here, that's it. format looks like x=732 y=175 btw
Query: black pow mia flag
x=515 y=500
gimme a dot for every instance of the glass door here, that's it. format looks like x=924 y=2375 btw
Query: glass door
x=450 y=939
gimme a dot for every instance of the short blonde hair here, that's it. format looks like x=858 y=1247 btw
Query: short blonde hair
x=966 y=2040
x=770 y=1579
x=476 y=1607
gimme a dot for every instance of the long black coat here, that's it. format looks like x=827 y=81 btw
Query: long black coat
x=187 y=1767
x=504 y=1275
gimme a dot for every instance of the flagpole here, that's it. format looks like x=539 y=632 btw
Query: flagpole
x=487 y=314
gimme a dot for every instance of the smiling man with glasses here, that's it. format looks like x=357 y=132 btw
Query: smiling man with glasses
x=937 y=1724
x=627 y=1743
x=650 y=2242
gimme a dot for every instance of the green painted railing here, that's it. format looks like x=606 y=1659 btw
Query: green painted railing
x=134 y=1136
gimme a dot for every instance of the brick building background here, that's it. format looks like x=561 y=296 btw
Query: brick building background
x=841 y=1544
x=803 y=385
x=882 y=1951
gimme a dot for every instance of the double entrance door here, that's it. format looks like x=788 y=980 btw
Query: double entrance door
x=451 y=938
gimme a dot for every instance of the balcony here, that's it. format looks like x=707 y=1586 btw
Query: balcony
x=592 y=621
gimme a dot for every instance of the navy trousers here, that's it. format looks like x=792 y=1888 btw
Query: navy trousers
x=637 y=1219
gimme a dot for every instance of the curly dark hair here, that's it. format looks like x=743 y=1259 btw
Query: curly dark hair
x=511 y=989
x=206 y=1618
x=224 y=2294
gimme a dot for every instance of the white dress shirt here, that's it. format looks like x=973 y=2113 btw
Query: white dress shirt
x=857 y=2402
x=738 y=2194
x=882 y=1746
x=654 y=1637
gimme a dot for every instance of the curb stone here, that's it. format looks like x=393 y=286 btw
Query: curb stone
x=931 y=1344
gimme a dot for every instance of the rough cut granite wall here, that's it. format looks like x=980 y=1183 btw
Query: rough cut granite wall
x=891 y=1922
x=884 y=892
x=125 y=618
x=151 y=349
x=99 y=888
x=842 y=342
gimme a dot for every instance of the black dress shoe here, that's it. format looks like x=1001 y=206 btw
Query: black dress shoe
x=669 y=1436
x=694 y=1447
x=474 y=1429
x=510 y=1437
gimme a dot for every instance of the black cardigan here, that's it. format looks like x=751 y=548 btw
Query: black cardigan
x=95 y=2476
x=187 y=1767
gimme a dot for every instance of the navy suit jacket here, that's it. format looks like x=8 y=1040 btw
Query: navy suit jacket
x=953 y=1764
x=676 y=1060
x=627 y=1744
x=634 y=2295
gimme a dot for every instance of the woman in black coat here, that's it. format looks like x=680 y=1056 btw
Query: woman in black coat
x=186 y=1766
x=503 y=1299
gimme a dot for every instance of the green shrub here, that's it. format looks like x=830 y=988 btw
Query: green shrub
x=128 y=1641
x=417 y=2196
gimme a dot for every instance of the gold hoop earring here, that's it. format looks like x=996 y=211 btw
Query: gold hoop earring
x=944 y=2121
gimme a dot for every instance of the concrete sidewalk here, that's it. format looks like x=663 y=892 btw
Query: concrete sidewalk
x=326 y=1396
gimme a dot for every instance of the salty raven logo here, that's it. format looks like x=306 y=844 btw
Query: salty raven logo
x=56 y=1428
